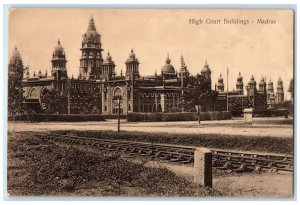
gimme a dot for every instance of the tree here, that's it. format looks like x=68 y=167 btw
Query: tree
x=198 y=94
x=291 y=89
x=54 y=102
x=15 y=89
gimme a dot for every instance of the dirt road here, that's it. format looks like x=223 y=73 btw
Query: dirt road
x=261 y=127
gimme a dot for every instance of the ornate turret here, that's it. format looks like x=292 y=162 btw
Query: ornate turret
x=16 y=64
x=91 y=59
x=280 y=92
x=15 y=55
x=108 y=67
x=240 y=84
x=220 y=85
x=59 y=61
x=132 y=66
x=263 y=86
x=270 y=94
x=206 y=71
x=251 y=87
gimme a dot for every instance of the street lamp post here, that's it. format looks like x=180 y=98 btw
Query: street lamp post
x=119 y=113
x=118 y=98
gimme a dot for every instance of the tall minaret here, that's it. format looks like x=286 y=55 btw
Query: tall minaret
x=132 y=65
x=91 y=59
x=59 y=61
x=240 y=84
x=183 y=69
x=280 y=92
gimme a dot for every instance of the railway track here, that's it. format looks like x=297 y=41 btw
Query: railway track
x=222 y=159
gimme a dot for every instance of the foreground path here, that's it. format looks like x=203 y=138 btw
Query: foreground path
x=261 y=127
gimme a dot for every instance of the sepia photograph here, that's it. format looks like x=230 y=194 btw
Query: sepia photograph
x=150 y=102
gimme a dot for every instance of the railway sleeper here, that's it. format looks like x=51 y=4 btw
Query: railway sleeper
x=188 y=160
x=166 y=157
x=178 y=159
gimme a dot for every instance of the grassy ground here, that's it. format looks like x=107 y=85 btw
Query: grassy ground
x=39 y=167
x=237 y=142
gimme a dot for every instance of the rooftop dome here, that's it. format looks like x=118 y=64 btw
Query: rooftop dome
x=58 y=48
x=240 y=78
x=168 y=68
x=132 y=57
x=220 y=80
x=108 y=57
x=205 y=68
x=16 y=54
x=252 y=80
x=132 y=54
x=108 y=60
x=262 y=81
x=270 y=82
x=91 y=35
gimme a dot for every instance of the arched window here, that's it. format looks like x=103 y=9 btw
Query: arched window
x=118 y=92
x=33 y=93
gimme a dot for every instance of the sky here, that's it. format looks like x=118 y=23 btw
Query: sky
x=253 y=49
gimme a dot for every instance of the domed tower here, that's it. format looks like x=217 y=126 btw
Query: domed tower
x=91 y=59
x=59 y=61
x=183 y=70
x=108 y=67
x=206 y=71
x=270 y=89
x=263 y=86
x=251 y=88
x=168 y=70
x=132 y=65
x=15 y=86
x=16 y=64
x=280 y=93
x=240 y=84
x=220 y=85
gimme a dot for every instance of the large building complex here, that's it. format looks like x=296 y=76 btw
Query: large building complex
x=161 y=92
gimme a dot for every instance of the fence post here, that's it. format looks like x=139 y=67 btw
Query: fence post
x=248 y=116
x=203 y=167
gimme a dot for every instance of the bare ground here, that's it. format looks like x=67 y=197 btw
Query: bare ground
x=274 y=126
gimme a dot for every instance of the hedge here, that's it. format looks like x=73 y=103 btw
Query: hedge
x=56 y=118
x=122 y=116
x=188 y=116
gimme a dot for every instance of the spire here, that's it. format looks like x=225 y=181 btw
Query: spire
x=92 y=24
x=58 y=42
x=206 y=64
x=168 y=61
x=183 y=66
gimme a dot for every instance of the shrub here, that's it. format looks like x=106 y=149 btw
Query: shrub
x=179 y=116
